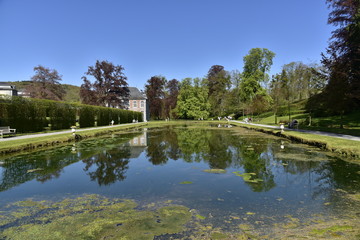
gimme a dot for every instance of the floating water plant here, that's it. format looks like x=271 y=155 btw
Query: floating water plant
x=186 y=182
x=250 y=213
x=215 y=170
x=248 y=177
x=200 y=217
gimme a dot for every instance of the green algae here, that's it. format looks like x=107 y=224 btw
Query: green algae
x=90 y=217
x=248 y=177
x=200 y=217
x=219 y=235
x=333 y=230
x=219 y=171
x=186 y=182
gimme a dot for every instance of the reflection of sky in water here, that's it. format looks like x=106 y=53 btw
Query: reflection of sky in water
x=295 y=180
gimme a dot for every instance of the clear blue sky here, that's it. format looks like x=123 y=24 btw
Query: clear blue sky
x=173 y=38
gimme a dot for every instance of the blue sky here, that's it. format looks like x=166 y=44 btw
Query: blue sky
x=172 y=38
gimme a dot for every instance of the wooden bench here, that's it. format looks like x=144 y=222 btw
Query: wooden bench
x=7 y=131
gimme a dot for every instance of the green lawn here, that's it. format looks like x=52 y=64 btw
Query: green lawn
x=350 y=122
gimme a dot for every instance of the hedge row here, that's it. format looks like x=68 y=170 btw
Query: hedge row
x=35 y=115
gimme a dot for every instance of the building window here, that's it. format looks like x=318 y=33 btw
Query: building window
x=142 y=104
x=135 y=104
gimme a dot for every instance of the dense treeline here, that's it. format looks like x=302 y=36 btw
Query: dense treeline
x=223 y=93
x=329 y=88
x=35 y=115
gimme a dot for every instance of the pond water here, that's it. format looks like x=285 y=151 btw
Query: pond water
x=179 y=182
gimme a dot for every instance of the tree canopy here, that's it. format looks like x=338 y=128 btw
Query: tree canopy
x=193 y=100
x=218 y=83
x=155 y=93
x=342 y=57
x=45 y=84
x=109 y=88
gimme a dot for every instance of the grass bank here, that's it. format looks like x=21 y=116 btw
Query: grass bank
x=38 y=142
x=343 y=147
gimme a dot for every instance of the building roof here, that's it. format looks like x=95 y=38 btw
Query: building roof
x=135 y=94
x=5 y=84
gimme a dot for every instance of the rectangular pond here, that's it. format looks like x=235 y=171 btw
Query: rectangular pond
x=179 y=182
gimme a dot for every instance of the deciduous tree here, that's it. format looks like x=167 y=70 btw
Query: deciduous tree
x=172 y=92
x=45 y=84
x=110 y=87
x=218 y=84
x=193 y=100
x=155 y=93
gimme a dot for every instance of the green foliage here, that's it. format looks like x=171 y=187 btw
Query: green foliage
x=259 y=60
x=62 y=115
x=87 y=116
x=104 y=116
x=192 y=100
x=218 y=82
x=23 y=115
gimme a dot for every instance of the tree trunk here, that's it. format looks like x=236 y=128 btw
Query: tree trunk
x=289 y=111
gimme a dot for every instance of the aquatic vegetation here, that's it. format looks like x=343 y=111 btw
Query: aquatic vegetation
x=90 y=217
x=200 y=217
x=331 y=230
x=215 y=170
x=248 y=177
x=186 y=182
x=219 y=235
x=250 y=213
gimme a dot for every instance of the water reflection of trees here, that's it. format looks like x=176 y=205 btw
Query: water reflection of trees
x=218 y=148
x=48 y=164
x=108 y=166
x=334 y=176
x=254 y=153
x=42 y=166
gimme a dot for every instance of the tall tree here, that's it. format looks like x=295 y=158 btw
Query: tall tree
x=343 y=56
x=257 y=64
x=218 y=83
x=193 y=100
x=45 y=84
x=276 y=91
x=110 y=87
x=155 y=93
x=172 y=92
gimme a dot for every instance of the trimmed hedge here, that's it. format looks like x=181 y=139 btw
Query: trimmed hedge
x=87 y=116
x=34 y=115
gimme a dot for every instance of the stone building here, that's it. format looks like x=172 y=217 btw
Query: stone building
x=138 y=102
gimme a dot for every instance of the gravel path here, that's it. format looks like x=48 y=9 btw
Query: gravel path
x=343 y=136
